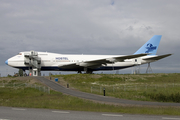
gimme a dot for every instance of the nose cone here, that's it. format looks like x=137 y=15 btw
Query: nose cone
x=6 y=62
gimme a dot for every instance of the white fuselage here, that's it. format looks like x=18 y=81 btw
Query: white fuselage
x=53 y=62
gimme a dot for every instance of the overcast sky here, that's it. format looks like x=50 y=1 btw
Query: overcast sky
x=114 y=27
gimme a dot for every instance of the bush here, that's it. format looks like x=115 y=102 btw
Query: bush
x=165 y=97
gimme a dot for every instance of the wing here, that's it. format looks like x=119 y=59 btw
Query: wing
x=99 y=62
x=157 y=57
x=116 y=59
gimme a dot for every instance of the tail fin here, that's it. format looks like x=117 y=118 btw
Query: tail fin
x=151 y=46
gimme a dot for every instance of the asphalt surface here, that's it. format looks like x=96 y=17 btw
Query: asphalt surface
x=104 y=99
x=9 y=113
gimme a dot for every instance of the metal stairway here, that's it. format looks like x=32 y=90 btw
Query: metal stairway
x=34 y=62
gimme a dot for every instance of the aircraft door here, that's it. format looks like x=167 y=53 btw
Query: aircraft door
x=137 y=61
x=53 y=60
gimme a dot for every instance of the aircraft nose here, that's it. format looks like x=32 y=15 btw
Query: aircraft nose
x=6 y=62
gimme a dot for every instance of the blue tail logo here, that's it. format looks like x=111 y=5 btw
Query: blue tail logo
x=150 y=48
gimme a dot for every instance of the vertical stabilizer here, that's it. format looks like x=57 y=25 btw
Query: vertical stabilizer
x=151 y=46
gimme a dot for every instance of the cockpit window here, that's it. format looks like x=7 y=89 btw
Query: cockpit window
x=19 y=53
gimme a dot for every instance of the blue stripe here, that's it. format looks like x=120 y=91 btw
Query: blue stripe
x=76 y=69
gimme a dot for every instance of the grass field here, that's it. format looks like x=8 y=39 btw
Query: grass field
x=23 y=96
x=143 y=87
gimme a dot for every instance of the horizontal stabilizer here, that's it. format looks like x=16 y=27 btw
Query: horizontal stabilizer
x=122 y=58
x=157 y=57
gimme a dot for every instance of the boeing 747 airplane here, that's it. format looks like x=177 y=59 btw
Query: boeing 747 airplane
x=45 y=61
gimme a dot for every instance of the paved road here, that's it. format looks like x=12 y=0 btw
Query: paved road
x=100 y=98
x=9 y=113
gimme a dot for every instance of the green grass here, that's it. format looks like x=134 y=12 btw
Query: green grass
x=143 y=87
x=33 y=98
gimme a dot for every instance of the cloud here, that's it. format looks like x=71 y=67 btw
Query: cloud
x=88 y=27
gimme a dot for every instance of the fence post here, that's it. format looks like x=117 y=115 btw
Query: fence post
x=104 y=92
x=91 y=89
x=100 y=90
